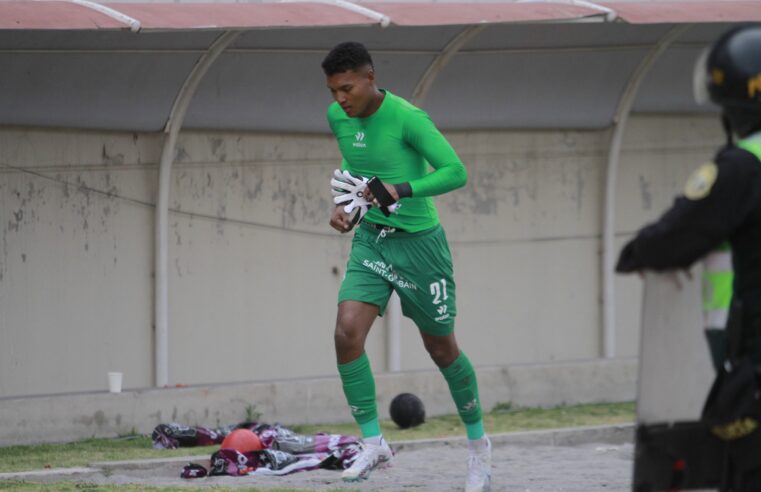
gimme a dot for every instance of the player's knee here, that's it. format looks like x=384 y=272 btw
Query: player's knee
x=442 y=354
x=348 y=333
x=342 y=339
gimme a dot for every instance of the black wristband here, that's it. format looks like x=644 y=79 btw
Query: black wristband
x=381 y=195
x=404 y=190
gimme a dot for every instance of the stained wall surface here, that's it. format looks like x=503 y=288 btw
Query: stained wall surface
x=255 y=267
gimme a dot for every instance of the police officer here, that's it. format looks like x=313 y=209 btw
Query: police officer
x=722 y=198
x=722 y=203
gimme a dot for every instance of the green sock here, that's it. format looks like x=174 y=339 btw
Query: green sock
x=463 y=386
x=475 y=431
x=359 y=388
x=370 y=429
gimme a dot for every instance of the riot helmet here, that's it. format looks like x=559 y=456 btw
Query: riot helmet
x=729 y=73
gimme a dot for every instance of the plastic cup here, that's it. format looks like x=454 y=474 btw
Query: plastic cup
x=115 y=382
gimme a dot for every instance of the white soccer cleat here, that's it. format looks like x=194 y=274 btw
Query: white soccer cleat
x=371 y=456
x=479 y=467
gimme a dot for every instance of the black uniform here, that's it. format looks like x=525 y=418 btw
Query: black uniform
x=729 y=211
x=722 y=202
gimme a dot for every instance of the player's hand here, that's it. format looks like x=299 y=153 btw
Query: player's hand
x=391 y=191
x=679 y=277
x=340 y=220
x=348 y=191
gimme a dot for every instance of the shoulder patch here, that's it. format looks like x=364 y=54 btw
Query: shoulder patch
x=701 y=181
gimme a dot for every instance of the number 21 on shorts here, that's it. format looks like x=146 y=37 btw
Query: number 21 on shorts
x=439 y=291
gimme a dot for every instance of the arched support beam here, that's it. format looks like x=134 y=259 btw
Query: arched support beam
x=172 y=129
x=134 y=24
x=394 y=309
x=620 y=118
x=441 y=61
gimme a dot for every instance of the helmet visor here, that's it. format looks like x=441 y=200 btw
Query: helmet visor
x=700 y=78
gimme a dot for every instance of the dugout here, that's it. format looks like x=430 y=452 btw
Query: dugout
x=163 y=178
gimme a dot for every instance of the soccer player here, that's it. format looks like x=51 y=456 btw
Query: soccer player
x=382 y=135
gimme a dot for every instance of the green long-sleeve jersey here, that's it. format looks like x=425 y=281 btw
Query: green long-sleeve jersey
x=397 y=144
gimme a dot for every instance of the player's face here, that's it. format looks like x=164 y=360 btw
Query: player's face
x=353 y=90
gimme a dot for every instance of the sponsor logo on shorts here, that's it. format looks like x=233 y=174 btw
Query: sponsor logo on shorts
x=443 y=314
x=387 y=272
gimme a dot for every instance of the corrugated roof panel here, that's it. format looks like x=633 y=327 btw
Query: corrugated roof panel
x=53 y=15
x=463 y=13
x=15 y=14
x=686 y=12
x=239 y=15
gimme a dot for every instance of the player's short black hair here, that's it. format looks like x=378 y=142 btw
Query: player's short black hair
x=346 y=56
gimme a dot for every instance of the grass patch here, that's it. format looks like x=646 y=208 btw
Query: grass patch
x=82 y=453
x=503 y=418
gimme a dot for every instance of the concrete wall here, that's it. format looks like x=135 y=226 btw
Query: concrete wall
x=305 y=401
x=256 y=268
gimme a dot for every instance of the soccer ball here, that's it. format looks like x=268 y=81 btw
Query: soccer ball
x=407 y=410
x=243 y=441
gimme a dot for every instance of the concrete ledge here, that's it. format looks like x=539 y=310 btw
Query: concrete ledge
x=50 y=472
x=61 y=418
x=150 y=463
x=566 y=436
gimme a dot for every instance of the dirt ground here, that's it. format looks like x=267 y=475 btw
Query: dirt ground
x=520 y=468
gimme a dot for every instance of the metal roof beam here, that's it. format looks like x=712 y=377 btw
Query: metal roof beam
x=441 y=61
x=620 y=118
x=173 y=125
x=134 y=24
x=299 y=51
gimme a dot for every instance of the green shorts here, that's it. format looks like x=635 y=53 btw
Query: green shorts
x=418 y=266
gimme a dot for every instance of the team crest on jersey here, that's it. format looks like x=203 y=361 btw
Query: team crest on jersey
x=701 y=181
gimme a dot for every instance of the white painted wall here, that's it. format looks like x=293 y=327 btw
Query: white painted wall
x=256 y=268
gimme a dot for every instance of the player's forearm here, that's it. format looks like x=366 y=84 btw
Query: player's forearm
x=442 y=180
